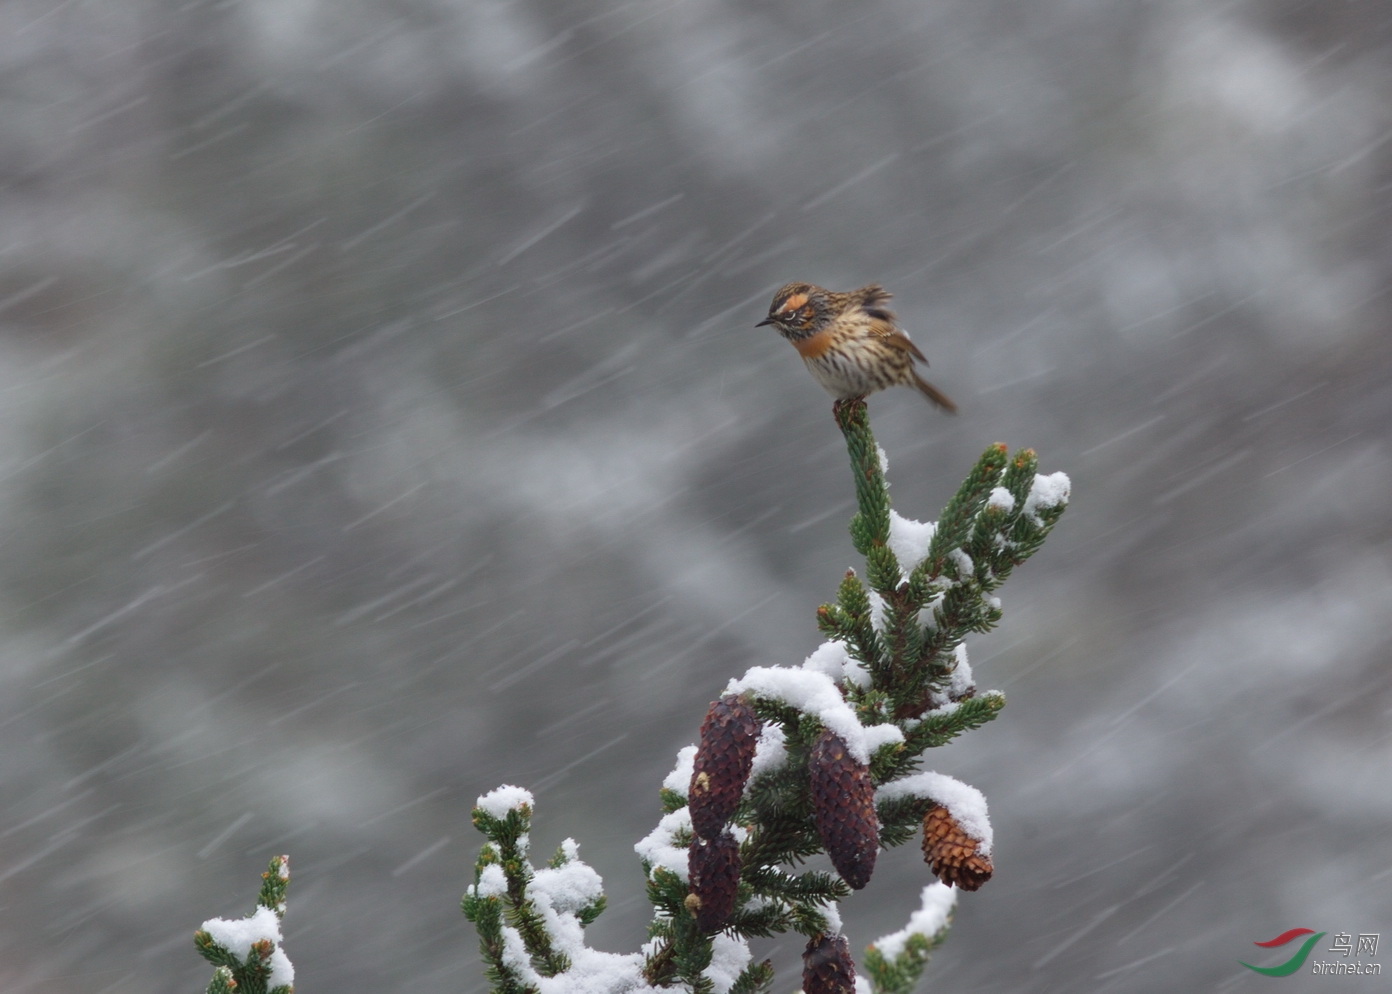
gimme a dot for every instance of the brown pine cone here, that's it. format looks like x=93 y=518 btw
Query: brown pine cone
x=827 y=966
x=714 y=869
x=723 y=760
x=951 y=852
x=843 y=807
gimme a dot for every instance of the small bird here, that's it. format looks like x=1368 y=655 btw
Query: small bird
x=849 y=341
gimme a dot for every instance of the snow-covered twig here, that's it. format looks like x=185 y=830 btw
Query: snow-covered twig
x=246 y=952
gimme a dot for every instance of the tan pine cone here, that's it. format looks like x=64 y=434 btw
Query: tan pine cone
x=723 y=760
x=951 y=852
x=714 y=869
x=827 y=966
x=843 y=807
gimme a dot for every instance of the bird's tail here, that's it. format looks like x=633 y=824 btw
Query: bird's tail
x=934 y=394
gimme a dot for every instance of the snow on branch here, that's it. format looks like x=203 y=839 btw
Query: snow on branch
x=246 y=952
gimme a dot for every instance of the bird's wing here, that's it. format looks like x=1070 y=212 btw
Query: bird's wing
x=896 y=339
x=873 y=299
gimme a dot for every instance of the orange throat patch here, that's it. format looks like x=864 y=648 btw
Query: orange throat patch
x=814 y=346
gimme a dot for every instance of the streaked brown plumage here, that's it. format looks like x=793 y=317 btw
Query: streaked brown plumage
x=850 y=341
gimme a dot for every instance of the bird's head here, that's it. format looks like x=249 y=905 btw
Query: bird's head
x=797 y=308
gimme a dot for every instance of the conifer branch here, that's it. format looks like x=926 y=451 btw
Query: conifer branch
x=822 y=758
x=246 y=951
x=792 y=762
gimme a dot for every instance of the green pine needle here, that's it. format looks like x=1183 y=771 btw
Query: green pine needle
x=955 y=523
x=222 y=982
x=756 y=978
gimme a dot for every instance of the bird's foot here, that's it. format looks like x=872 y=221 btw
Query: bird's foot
x=843 y=409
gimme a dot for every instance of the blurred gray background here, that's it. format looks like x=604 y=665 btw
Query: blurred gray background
x=384 y=420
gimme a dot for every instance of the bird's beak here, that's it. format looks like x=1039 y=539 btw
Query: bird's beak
x=764 y=322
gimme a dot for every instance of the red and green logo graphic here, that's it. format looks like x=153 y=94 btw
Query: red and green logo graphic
x=1295 y=962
